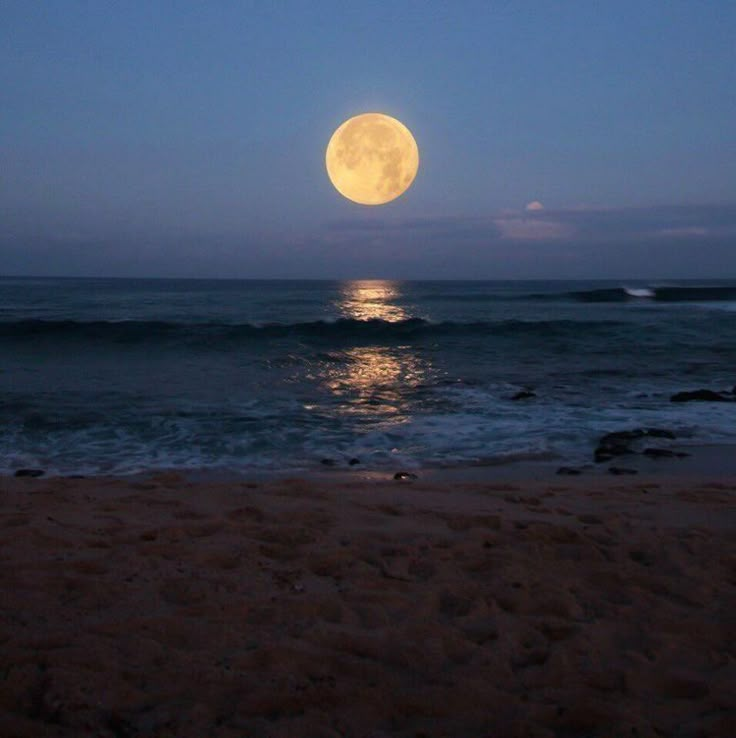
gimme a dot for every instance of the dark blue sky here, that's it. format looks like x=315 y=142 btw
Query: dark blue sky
x=187 y=138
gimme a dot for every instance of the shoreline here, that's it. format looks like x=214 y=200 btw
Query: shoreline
x=161 y=605
x=700 y=460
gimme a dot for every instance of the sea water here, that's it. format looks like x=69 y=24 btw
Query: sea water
x=120 y=376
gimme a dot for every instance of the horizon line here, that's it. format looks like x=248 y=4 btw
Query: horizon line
x=368 y=279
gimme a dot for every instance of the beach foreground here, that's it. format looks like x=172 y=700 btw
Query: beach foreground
x=165 y=607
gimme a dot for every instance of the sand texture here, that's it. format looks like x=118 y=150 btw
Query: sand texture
x=162 y=607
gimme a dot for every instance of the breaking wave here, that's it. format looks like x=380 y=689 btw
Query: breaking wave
x=134 y=332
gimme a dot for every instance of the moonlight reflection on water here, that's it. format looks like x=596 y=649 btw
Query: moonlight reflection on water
x=374 y=380
x=372 y=300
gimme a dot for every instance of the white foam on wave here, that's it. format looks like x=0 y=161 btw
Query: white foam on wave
x=469 y=425
x=639 y=292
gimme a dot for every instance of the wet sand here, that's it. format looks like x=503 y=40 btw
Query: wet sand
x=545 y=608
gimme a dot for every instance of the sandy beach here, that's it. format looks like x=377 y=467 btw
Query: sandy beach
x=164 y=607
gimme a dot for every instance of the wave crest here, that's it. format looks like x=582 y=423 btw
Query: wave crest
x=658 y=294
x=134 y=331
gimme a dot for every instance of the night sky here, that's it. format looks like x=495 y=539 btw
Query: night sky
x=187 y=139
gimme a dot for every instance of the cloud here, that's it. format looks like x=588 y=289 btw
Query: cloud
x=581 y=242
x=534 y=205
x=694 y=222
x=533 y=229
x=589 y=225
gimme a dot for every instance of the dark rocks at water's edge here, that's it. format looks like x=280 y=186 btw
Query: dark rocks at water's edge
x=704 y=395
x=404 y=476
x=619 y=443
x=616 y=444
x=660 y=433
x=606 y=452
x=569 y=471
x=353 y=462
x=29 y=473
x=524 y=395
x=621 y=471
x=664 y=453
x=327 y=462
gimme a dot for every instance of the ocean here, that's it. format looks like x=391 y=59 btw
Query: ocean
x=119 y=376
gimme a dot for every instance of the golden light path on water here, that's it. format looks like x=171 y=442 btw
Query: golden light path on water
x=371 y=300
x=373 y=379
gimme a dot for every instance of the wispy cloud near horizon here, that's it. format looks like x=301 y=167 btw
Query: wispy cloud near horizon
x=539 y=224
x=580 y=242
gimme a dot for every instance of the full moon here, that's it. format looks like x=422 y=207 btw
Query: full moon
x=372 y=159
